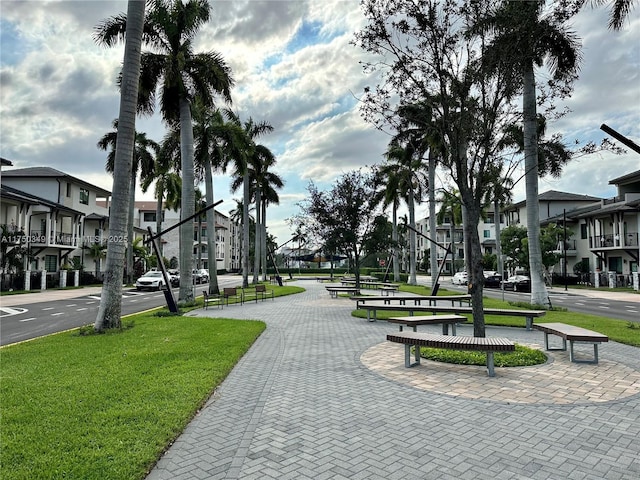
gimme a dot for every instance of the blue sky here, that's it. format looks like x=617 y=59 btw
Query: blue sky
x=295 y=68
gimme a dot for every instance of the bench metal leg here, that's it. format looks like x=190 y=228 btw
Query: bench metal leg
x=529 y=323
x=546 y=344
x=572 y=358
x=490 y=370
x=407 y=355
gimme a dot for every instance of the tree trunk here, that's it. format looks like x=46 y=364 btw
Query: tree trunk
x=474 y=262
x=132 y=198
x=111 y=299
x=539 y=294
x=257 y=255
x=187 y=203
x=265 y=265
x=159 y=219
x=245 y=230
x=394 y=238
x=211 y=230
x=496 y=208
x=412 y=239
x=433 y=257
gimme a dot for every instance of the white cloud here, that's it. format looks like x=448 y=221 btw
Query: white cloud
x=59 y=97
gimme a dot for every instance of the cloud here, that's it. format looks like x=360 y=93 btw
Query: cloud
x=294 y=67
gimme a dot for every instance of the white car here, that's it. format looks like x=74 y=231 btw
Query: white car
x=460 y=278
x=152 y=280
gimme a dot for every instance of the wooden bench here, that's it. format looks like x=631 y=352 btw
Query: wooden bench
x=262 y=293
x=232 y=292
x=573 y=335
x=211 y=299
x=489 y=345
x=388 y=289
x=529 y=315
x=416 y=299
x=445 y=320
x=334 y=291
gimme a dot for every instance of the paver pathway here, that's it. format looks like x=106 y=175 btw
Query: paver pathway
x=322 y=395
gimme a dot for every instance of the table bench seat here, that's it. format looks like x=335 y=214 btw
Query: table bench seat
x=529 y=315
x=489 y=345
x=333 y=291
x=572 y=334
x=445 y=320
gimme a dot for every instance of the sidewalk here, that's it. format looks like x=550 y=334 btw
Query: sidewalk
x=322 y=395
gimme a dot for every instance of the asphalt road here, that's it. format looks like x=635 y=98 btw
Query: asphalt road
x=619 y=309
x=26 y=319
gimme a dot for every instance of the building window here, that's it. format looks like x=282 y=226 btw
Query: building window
x=486 y=233
x=583 y=231
x=84 y=196
x=490 y=218
x=149 y=217
x=68 y=190
x=51 y=263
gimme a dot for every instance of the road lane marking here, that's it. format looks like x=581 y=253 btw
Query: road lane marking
x=8 y=311
x=71 y=305
x=28 y=319
x=81 y=309
x=55 y=314
x=48 y=308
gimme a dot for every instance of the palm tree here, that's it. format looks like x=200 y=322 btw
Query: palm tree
x=451 y=206
x=241 y=159
x=144 y=154
x=111 y=298
x=619 y=11
x=262 y=183
x=524 y=40
x=411 y=186
x=387 y=176
x=167 y=183
x=301 y=237
x=181 y=76
x=216 y=140
x=238 y=216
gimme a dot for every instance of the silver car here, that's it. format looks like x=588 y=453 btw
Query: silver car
x=152 y=280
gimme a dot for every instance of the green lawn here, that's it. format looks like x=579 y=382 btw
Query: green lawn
x=617 y=330
x=106 y=406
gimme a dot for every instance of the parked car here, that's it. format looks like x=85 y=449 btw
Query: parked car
x=174 y=277
x=492 y=279
x=460 y=278
x=152 y=280
x=518 y=283
x=200 y=275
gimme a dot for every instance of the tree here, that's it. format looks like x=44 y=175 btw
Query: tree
x=111 y=299
x=387 y=180
x=215 y=139
x=619 y=11
x=430 y=58
x=144 y=154
x=181 y=76
x=451 y=208
x=344 y=215
x=524 y=39
x=241 y=159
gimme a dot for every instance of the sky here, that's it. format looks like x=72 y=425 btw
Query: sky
x=294 y=67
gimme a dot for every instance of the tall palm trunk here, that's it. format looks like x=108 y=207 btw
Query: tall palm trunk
x=187 y=202
x=496 y=209
x=394 y=238
x=159 y=218
x=539 y=294
x=211 y=230
x=110 y=308
x=132 y=198
x=264 y=242
x=412 y=238
x=245 y=229
x=433 y=254
x=257 y=257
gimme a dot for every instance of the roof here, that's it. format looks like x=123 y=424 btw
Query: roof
x=556 y=196
x=14 y=193
x=5 y=162
x=48 y=172
x=629 y=177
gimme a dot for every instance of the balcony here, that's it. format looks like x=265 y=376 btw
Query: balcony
x=610 y=240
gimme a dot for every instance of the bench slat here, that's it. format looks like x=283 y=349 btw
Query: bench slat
x=497 y=344
x=571 y=332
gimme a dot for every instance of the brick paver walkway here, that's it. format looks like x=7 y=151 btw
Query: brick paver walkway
x=322 y=395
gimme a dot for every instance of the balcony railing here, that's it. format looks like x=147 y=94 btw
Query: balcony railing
x=610 y=240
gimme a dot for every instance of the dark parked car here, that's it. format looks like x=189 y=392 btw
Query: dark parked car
x=492 y=280
x=174 y=277
x=518 y=283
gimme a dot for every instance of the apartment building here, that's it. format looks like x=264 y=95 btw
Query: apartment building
x=59 y=221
